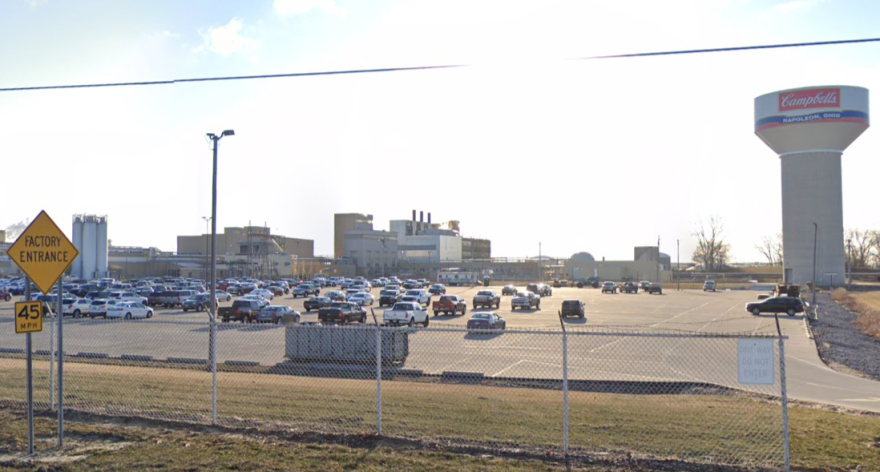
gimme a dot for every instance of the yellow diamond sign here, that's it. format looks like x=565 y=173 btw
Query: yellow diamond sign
x=43 y=252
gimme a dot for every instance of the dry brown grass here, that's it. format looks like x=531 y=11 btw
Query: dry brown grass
x=866 y=305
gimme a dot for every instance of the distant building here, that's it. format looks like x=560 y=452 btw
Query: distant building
x=473 y=248
x=421 y=241
x=375 y=252
x=647 y=264
x=253 y=240
x=343 y=222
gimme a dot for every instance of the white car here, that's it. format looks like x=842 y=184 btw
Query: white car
x=361 y=298
x=132 y=297
x=420 y=295
x=129 y=310
x=221 y=295
x=406 y=313
x=78 y=307
x=267 y=294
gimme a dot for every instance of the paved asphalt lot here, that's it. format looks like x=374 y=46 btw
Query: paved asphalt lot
x=173 y=333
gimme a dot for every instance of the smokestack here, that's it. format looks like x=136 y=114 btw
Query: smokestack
x=414 y=215
x=429 y=218
x=421 y=217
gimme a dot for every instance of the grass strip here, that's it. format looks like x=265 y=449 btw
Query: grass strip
x=700 y=428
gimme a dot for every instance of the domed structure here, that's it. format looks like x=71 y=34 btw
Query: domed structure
x=583 y=257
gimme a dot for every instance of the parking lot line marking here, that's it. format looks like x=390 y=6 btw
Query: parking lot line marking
x=680 y=314
x=496 y=374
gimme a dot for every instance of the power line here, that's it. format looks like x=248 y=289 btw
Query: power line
x=432 y=67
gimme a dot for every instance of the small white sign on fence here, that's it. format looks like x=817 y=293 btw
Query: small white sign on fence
x=755 y=361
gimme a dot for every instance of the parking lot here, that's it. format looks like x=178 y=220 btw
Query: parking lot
x=175 y=333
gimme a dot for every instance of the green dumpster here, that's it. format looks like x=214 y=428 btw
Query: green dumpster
x=486 y=281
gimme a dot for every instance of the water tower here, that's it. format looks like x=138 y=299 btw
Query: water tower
x=810 y=128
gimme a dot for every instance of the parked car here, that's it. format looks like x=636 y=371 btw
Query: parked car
x=78 y=307
x=572 y=307
x=437 y=289
x=99 y=307
x=336 y=296
x=709 y=286
x=223 y=296
x=361 y=298
x=129 y=310
x=644 y=284
x=486 y=320
x=655 y=288
x=486 y=298
x=788 y=305
x=277 y=290
x=418 y=296
x=241 y=310
x=342 y=312
x=406 y=313
x=316 y=303
x=629 y=287
x=304 y=290
x=525 y=300
x=449 y=304
x=609 y=287
x=199 y=302
x=542 y=290
x=274 y=313
x=508 y=290
x=388 y=297
x=265 y=293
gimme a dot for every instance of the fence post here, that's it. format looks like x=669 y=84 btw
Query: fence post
x=564 y=388
x=213 y=356
x=378 y=374
x=51 y=361
x=785 y=437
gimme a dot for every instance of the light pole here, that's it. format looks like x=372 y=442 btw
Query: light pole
x=207 y=231
x=678 y=261
x=815 y=251
x=212 y=349
x=849 y=260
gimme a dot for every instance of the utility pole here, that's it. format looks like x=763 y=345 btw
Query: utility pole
x=678 y=262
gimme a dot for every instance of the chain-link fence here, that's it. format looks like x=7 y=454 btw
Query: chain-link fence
x=691 y=397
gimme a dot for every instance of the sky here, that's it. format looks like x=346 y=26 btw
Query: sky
x=524 y=146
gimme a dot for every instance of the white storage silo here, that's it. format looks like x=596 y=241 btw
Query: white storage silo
x=90 y=238
x=809 y=128
x=76 y=267
x=102 y=250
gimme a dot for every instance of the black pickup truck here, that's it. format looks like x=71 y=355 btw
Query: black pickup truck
x=241 y=310
x=342 y=313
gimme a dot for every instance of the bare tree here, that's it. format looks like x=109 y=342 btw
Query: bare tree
x=777 y=249
x=771 y=248
x=859 y=247
x=711 y=251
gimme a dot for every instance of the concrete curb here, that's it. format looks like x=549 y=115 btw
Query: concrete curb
x=185 y=360
x=134 y=357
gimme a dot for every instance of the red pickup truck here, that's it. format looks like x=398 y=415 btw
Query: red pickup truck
x=449 y=304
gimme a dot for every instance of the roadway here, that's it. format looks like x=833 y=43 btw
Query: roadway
x=594 y=351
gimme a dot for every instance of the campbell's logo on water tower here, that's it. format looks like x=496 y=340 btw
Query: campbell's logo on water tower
x=812 y=98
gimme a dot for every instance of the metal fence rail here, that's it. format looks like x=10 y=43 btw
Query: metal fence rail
x=643 y=394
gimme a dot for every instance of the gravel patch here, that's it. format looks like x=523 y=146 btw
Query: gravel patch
x=841 y=345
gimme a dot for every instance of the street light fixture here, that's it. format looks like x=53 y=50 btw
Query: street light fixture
x=213 y=301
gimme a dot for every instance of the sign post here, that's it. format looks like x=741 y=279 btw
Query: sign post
x=25 y=310
x=43 y=252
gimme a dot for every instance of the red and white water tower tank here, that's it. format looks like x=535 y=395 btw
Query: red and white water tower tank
x=809 y=128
